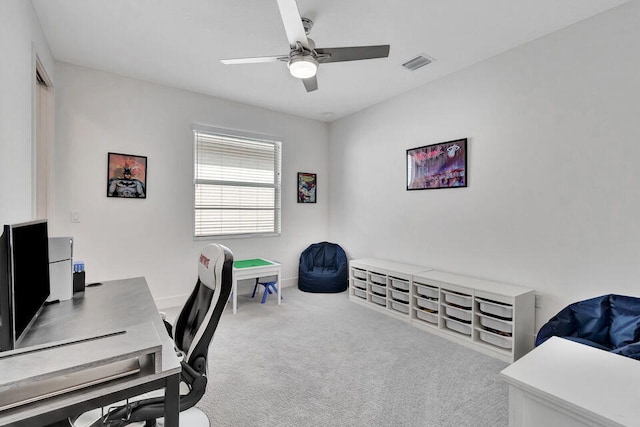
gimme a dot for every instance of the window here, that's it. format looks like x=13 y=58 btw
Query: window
x=236 y=182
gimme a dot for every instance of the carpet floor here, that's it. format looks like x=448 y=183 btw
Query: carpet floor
x=321 y=360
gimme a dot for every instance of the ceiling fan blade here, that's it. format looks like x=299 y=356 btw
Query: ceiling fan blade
x=356 y=53
x=310 y=84
x=293 y=23
x=255 y=60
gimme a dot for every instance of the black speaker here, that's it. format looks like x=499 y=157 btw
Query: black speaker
x=78 y=281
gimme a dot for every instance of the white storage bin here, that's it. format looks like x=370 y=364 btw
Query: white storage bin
x=458 y=327
x=359 y=274
x=504 y=311
x=427 y=291
x=359 y=284
x=497 y=340
x=360 y=293
x=399 y=283
x=398 y=306
x=461 y=300
x=427 y=303
x=399 y=295
x=378 y=279
x=459 y=314
x=380 y=290
x=379 y=300
x=498 y=325
x=427 y=317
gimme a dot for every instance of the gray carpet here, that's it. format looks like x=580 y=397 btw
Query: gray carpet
x=321 y=360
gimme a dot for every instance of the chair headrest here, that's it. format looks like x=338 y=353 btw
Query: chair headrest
x=211 y=256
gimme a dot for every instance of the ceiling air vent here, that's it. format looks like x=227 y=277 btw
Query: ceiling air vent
x=417 y=62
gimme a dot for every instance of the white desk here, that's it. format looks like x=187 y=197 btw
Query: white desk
x=254 y=269
x=565 y=384
x=114 y=305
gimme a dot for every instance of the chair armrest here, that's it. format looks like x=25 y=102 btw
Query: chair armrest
x=169 y=327
x=197 y=383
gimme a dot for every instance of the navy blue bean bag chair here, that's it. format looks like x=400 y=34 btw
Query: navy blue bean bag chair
x=609 y=322
x=323 y=268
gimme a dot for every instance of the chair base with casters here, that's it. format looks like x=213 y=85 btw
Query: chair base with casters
x=192 y=333
x=192 y=417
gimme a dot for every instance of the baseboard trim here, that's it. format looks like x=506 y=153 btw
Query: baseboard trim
x=179 y=300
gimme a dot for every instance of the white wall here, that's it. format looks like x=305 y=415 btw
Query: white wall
x=21 y=39
x=97 y=113
x=554 y=168
x=553 y=196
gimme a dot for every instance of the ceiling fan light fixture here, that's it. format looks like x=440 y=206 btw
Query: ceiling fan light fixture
x=303 y=66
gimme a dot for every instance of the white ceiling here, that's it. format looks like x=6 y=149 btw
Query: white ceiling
x=179 y=43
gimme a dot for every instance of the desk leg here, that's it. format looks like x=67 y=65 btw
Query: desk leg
x=279 y=287
x=172 y=401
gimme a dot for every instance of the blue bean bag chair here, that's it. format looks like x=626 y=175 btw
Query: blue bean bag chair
x=323 y=268
x=609 y=322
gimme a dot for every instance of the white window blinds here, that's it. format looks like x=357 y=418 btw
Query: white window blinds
x=237 y=184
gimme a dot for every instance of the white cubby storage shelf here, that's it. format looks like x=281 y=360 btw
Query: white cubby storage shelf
x=495 y=318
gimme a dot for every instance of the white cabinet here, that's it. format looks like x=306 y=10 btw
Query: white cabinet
x=564 y=383
x=495 y=318
x=383 y=285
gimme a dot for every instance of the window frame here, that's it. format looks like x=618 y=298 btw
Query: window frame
x=249 y=136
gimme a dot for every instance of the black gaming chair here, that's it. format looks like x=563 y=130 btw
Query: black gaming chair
x=192 y=332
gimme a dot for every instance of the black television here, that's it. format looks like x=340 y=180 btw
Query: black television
x=24 y=278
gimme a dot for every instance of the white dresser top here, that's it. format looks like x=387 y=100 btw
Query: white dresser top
x=594 y=383
x=383 y=264
x=491 y=286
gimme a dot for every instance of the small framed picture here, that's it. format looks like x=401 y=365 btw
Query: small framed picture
x=307 y=187
x=126 y=176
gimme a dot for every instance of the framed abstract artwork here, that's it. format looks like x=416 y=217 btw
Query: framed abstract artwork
x=442 y=165
x=126 y=176
x=307 y=183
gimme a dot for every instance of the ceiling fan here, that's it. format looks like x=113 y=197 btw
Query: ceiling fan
x=304 y=58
